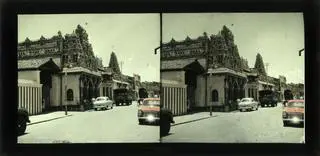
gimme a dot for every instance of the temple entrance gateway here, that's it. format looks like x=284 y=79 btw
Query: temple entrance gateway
x=46 y=71
x=192 y=70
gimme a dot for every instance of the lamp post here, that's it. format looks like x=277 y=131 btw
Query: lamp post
x=300 y=51
x=210 y=72
x=66 y=87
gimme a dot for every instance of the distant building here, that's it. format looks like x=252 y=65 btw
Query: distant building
x=153 y=88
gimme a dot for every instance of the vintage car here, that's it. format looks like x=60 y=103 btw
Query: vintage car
x=149 y=110
x=293 y=112
x=102 y=103
x=23 y=119
x=248 y=104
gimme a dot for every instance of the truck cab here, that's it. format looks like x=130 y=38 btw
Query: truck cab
x=122 y=96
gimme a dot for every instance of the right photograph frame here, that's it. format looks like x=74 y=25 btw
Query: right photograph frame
x=233 y=77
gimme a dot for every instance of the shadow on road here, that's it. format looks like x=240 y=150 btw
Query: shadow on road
x=193 y=120
x=295 y=126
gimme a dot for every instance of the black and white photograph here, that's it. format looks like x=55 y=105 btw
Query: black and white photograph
x=233 y=77
x=88 y=78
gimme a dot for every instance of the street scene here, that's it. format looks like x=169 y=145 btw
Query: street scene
x=85 y=78
x=262 y=126
x=117 y=125
x=233 y=77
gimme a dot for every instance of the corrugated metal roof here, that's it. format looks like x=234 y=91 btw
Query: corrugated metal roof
x=225 y=70
x=36 y=62
x=180 y=64
x=80 y=69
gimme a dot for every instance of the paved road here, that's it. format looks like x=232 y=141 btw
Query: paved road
x=117 y=125
x=264 y=125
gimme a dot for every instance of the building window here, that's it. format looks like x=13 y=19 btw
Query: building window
x=69 y=95
x=214 y=96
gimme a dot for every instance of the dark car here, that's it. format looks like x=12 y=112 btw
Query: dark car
x=23 y=119
x=166 y=118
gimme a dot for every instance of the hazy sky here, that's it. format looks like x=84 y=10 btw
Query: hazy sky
x=276 y=36
x=133 y=37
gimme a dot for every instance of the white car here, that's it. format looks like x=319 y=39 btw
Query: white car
x=248 y=104
x=102 y=103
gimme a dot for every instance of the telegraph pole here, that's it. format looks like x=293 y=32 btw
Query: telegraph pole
x=121 y=63
x=267 y=66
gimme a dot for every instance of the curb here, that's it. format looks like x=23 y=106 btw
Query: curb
x=48 y=120
x=194 y=120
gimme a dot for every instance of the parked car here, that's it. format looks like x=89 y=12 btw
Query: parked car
x=248 y=104
x=102 y=102
x=23 y=119
x=149 y=111
x=293 y=112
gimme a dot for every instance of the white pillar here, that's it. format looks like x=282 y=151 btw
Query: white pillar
x=19 y=100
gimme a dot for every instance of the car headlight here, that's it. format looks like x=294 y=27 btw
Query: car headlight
x=140 y=112
x=150 y=118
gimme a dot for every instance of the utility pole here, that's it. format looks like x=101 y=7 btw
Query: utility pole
x=267 y=66
x=121 y=63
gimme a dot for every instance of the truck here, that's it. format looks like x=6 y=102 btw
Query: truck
x=122 y=96
x=268 y=97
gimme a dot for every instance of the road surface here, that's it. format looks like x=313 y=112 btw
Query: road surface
x=264 y=125
x=119 y=124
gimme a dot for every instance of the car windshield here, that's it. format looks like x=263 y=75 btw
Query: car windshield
x=296 y=104
x=100 y=99
x=245 y=100
x=151 y=102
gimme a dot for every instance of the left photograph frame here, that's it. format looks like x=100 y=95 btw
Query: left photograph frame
x=88 y=78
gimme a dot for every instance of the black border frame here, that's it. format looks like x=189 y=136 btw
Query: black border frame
x=9 y=75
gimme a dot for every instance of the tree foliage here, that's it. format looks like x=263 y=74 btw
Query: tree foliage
x=113 y=63
x=259 y=65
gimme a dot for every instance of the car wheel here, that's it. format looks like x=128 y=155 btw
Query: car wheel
x=95 y=109
x=240 y=110
x=140 y=122
x=285 y=123
x=22 y=126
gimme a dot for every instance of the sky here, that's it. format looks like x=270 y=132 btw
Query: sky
x=133 y=37
x=276 y=36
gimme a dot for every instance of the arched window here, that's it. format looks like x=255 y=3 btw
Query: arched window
x=214 y=96
x=69 y=95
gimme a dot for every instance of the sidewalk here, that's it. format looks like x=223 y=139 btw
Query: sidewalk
x=35 y=119
x=193 y=117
